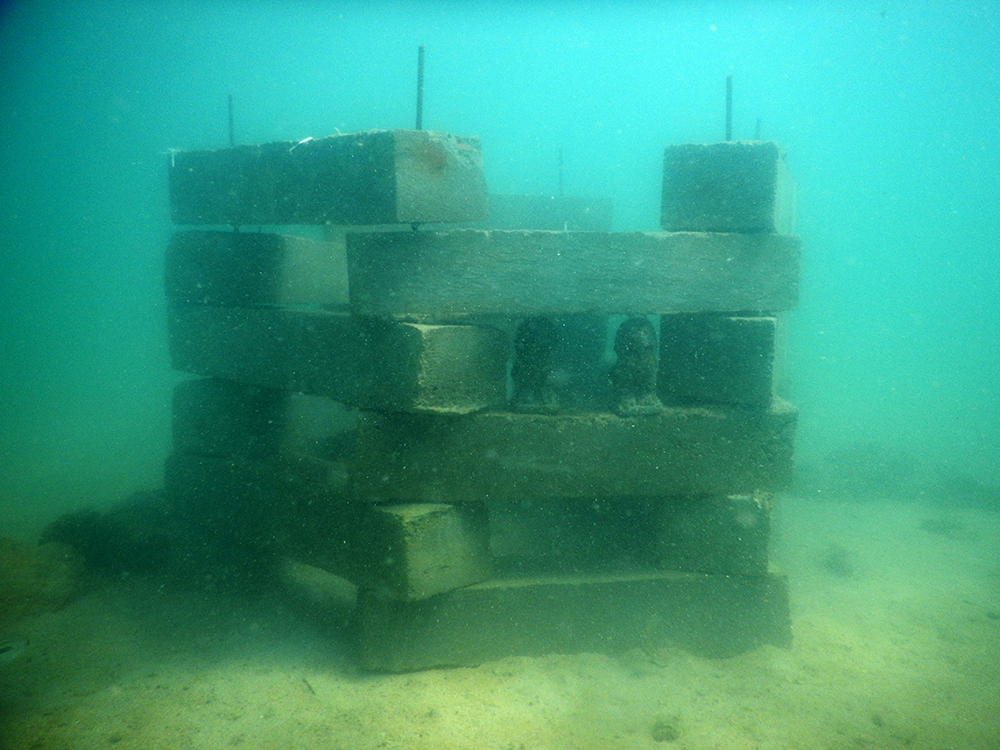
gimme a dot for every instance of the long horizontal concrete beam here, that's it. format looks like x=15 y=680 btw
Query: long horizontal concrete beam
x=442 y=275
x=502 y=455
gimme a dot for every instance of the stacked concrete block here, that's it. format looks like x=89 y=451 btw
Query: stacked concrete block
x=364 y=362
x=727 y=534
x=259 y=456
x=712 y=615
x=448 y=351
x=233 y=471
x=249 y=269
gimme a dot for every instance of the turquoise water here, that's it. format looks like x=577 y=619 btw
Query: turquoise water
x=889 y=112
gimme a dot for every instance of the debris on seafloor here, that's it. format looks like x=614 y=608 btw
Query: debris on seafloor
x=836 y=561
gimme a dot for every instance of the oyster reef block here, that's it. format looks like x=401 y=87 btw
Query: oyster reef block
x=371 y=177
x=734 y=186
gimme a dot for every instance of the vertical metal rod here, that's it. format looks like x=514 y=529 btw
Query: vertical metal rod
x=756 y=131
x=729 y=108
x=560 y=173
x=420 y=87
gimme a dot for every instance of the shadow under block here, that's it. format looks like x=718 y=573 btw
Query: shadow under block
x=287 y=506
x=503 y=455
x=734 y=186
x=716 y=359
x=450 y=274
x=370 y=177
x=365 y=363
x=711 y=615
x=714 y=534
x=243 y=269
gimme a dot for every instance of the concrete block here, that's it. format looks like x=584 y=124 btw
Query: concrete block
x=243 y=269
x=734 y=186
x=501 y=455
x=557 y=213
x=716 y=359
x=369 y=363
x=214 y=417
x=714 y=534
x=413 y=551
x=710 y=615
x=370 y=177
x=449 y=275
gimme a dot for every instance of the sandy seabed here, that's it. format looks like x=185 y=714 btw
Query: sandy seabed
x=896 y=616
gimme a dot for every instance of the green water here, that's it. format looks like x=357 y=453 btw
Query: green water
x=889 y=113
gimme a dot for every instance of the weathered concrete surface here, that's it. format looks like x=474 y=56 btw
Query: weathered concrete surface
x=716 y=359
x=712 y=615
x=243 y=269
x=452 y=274
x=370 y=177
x=735 y=186
x=714 y=534
x=501 y=455
x=557 y=213
x=366 y=363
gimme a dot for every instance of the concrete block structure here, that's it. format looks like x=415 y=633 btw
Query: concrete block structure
x=511 y=441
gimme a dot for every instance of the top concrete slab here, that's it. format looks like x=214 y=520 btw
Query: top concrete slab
x=371 y=177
